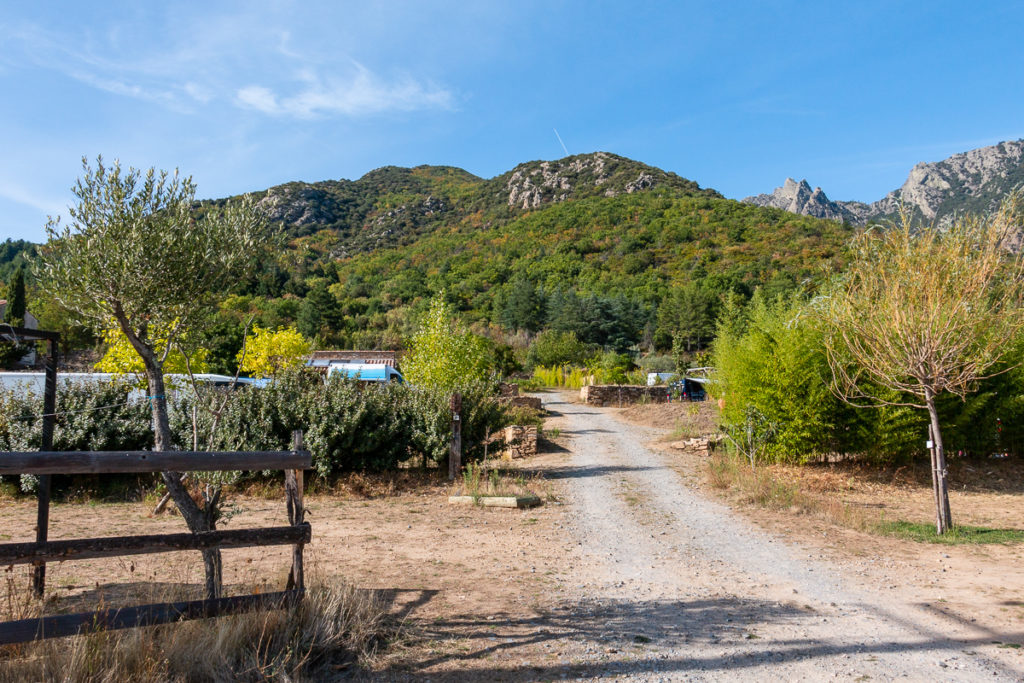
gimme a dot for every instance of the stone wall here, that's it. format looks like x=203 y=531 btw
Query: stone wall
x=507 y=389
x=612 y=394
x=520 y=442
x=528 y=401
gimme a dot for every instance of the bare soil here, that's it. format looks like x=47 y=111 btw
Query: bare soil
x=634 y=567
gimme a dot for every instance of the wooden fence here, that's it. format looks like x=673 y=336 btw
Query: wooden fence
x=296 y=534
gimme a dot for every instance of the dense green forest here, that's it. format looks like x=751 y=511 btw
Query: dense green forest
x=620 y=253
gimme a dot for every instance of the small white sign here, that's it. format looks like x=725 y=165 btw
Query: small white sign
x=929 y=444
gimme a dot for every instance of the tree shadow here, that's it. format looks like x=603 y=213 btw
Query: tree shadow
x=570 y=472
x=623 y=637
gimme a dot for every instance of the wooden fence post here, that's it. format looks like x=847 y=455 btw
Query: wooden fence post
x=455 y=448
x=293 y=484
x=43 y=483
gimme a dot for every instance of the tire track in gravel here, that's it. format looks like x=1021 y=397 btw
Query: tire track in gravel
x=676 y=586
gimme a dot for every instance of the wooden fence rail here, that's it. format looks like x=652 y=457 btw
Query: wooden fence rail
x=135 y=462
x=297 y=534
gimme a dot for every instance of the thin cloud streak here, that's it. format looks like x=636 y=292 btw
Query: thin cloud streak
x=157 y=78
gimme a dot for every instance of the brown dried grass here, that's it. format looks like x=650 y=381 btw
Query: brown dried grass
x=326 y=636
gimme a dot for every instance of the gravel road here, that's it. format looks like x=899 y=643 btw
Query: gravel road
x=674 y=586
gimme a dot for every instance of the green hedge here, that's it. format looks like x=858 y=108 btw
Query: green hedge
x=348 y=426
x=770 y=357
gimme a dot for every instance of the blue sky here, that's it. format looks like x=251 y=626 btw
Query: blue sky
x=735 y=95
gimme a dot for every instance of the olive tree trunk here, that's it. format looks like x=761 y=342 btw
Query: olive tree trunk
x=196 y=518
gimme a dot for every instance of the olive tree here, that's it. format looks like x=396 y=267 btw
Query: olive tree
x=137 y=256
x=922 y=311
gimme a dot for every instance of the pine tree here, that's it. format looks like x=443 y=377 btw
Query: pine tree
x=15 y=313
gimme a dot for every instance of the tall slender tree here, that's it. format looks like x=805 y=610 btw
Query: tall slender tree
x=926 y=311
x=14 y=314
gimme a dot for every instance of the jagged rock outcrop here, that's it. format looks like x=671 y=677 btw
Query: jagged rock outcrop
x=800 y=198
x=533 y=184
x=973 y=181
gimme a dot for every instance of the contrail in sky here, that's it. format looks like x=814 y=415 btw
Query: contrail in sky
x=560 y=141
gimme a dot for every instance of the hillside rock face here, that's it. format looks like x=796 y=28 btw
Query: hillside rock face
x=800 y=198
x=973 y=181
x=533 y=184
x=976 y=180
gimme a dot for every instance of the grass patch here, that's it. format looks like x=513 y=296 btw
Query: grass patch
x=958 y=535
x=479 y=481
x=762 y=488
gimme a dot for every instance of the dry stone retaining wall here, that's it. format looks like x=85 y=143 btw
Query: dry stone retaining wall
x=612 y=394
x=520 y=441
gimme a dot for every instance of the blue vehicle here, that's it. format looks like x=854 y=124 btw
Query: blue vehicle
x=688 y=389
x=366 y=372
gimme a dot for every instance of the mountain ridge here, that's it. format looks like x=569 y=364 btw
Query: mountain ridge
x=972 y=181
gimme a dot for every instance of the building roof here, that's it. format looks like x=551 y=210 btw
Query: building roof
x=321 y=359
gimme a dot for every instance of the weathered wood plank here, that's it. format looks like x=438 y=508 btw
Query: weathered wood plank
x=293 y=487
x=109 y=462
x=62 y=625
x=43 y=484
x=115 y=546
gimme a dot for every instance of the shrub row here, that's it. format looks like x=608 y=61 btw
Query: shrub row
x=771 y=362
x=348 y=426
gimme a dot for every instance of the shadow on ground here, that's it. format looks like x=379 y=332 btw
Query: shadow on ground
x=608 y=638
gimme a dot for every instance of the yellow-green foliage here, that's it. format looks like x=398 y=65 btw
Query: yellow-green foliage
x=443 y=355
x=269 y=352
x=565 y=376
x=569 y=377
x=121 y=358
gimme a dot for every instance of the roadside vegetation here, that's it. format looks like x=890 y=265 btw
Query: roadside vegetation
x=334 y=629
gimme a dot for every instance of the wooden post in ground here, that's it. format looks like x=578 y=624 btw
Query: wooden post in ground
x=455 y=447
x=293 y=483
x=43 y=484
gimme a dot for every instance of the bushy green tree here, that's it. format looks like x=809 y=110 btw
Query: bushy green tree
x=14 y=314
x=552 y=348
x=268 y=353
x=136 y=256
x=522 y=306
x=687 y=314
x=442 y=354
x=320 y=315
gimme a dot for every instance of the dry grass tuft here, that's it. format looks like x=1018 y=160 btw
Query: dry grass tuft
x=765 y=487
x=322 y=638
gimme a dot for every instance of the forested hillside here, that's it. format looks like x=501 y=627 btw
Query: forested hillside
x=621 y=253
x=617 y=251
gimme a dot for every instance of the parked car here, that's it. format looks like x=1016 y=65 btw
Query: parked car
x=687 y=389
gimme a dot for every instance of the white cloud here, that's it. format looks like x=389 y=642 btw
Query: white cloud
x=361 y=94
x=19 y=194
x=204 y=66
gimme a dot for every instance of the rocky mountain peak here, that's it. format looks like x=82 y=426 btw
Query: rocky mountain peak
x=535 y=183
x=798 y=197
x=973 y=181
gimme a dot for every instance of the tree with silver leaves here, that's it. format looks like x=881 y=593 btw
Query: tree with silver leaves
x=137 y=256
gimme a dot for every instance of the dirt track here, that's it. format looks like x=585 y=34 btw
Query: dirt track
x=673 y=585
x=633 y=573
